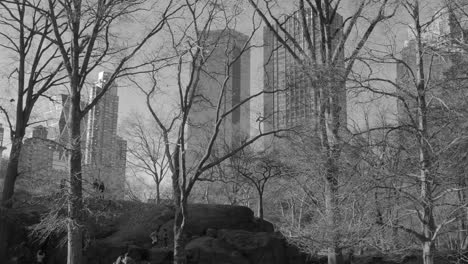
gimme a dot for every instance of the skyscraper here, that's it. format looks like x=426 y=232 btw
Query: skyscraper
x=223 y=48
x=295 y=101
x=104 y=151
x=441 y=41
x=44 y=158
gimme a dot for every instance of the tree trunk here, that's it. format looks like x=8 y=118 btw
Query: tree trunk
x=180 y=256
x=12 y=172
x=301 y=210
x=426 y=176
x=75 y=199
x=158 y=194
x=180 y=205
x=7 y=193
x=428 y=252
x=260 y=206
x=462 y=231
x=206 y=195
x=332 y=170
x=334 y=252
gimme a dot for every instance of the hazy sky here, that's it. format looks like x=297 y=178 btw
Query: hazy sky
x=393 y=31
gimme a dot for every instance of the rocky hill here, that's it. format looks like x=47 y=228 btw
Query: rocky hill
x=218 y=234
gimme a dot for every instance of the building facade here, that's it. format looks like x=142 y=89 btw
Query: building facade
x=104 y=156
x=444 y=67
x=227 y=67
x=292 y=98
x=41 y=168
x=44 y=158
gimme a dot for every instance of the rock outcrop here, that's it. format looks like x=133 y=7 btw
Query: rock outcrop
x=218 y=234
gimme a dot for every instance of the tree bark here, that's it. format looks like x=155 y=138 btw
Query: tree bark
x=158 y=194
x=428 y=252
x=75 y=201
x=180 y=256
x=462 y=222
x=8 y=191
x=334 y=251
x=180 y=205
x=426 y=177
x=260 y=206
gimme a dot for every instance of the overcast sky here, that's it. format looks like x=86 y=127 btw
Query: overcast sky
x=393 y=31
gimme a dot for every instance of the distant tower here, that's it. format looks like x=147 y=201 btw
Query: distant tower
x=224 y=48
x=295 y=102
x=104 y=153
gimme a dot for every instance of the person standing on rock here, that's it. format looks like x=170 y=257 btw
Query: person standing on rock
x=101 y=189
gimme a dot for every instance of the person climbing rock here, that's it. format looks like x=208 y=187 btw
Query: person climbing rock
x=101 y=189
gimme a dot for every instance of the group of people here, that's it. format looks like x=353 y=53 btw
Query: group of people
x=99 y=188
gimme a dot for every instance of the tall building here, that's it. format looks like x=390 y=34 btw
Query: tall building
x=440 y=48
x=40 y=167
x=44 y=159
x=104 y=156
x=295 y=102
x=223 y=48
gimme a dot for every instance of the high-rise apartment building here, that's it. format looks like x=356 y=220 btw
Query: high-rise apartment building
x=104 y=156
x=44 y=159
x=295 y=101
x=225 y=62
x=441 y=51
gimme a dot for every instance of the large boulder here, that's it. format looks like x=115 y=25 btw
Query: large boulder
x=259 y=247
x=160 y=255
x=215 y=234
x=209 y=250
x=202 y=217
x=138 y=223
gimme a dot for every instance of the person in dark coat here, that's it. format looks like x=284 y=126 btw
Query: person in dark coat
x=101 y=189
x=96 y=185
x=40 y=256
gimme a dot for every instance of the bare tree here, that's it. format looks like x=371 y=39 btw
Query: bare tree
x=207 y=57
x=322 y=60
x=146 y=150
x=91 y=41
x=425 y=141
x=36 y=70
x=258 y=169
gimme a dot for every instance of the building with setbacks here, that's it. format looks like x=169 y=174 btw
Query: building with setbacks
x=44 y=158
x=228 y=66
x=292 y=99
x=104 y=156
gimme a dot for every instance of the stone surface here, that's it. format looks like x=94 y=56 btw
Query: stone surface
x=218 y=234
x=137 y=253
x=209 y=250
x=159 y=255
x=259 y=247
